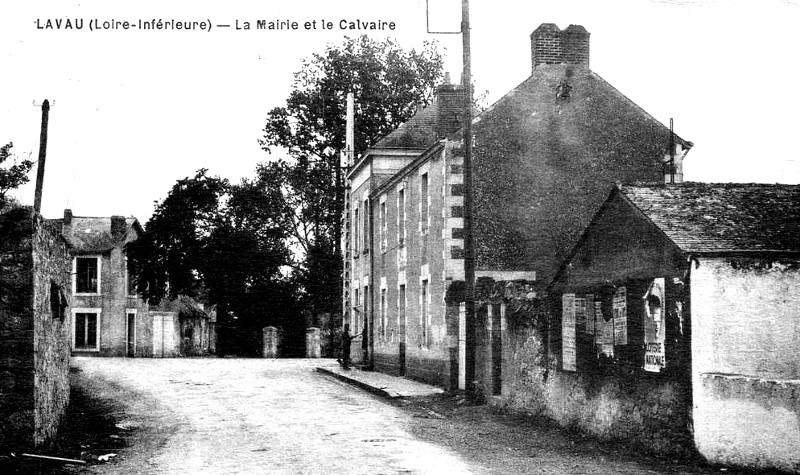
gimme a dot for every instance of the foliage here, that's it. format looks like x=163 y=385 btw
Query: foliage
x=13 y=176
x=218 y=242
x=167 y=260
x=388 y=83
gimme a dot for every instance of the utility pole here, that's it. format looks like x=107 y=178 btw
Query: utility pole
x=469 y=238
x=37 y=200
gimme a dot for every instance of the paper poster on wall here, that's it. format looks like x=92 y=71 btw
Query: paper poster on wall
x=590 y=315
x=604 y=335
x=580 y=312
x=568 y=332
x=654 y=333
x=620 y=317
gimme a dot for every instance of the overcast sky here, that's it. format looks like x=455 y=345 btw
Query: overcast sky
x=133 y=110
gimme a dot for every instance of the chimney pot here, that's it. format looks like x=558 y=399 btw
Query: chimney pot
x=550 y=45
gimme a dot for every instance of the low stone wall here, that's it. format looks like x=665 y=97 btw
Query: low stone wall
x=650 y=411
x=749 y=422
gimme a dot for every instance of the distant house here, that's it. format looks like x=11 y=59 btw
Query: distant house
x=544 y=156
x=35 y=329
x=688 y=297
x=108 y=318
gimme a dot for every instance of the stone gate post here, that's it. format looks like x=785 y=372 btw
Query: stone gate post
x=270 y=342
x=312 y=343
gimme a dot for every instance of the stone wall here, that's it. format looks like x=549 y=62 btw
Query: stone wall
x=16 y=329
x=411 y=335
x=35 y=326
x=746 y=361
x=52 y=329
x=651 y=411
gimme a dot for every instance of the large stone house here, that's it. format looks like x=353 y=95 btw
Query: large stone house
x=686 y=296
x=108 y=318
x=544 y=156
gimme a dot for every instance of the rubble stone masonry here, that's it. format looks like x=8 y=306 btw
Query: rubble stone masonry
x=34 y=329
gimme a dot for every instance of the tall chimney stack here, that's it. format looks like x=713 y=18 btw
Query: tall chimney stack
x=118 y=226
x=550 y=45
x=449 y=107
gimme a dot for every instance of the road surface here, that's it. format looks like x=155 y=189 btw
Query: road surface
x=262 y=416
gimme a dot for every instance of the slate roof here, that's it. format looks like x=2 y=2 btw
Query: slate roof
x=722 y=218
x=420 y=131
x=93 y=234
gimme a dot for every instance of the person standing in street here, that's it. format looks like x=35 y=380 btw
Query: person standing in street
x=347 y=339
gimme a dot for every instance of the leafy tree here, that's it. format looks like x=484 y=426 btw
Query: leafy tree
x=388 y=83
x=167 y=260
x=13 y=176
x=220 y=243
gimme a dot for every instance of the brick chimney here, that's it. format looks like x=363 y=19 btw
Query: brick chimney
x=449 y=106
x=66 y=223
x=550 y=45
x=118 y=226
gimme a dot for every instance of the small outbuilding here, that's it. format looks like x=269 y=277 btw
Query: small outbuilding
x=181 y=328
x=692 y=291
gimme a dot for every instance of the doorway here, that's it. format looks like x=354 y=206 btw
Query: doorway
x=402 y=328
x=131 y=335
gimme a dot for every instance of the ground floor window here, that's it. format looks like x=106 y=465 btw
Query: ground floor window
x=86 y=330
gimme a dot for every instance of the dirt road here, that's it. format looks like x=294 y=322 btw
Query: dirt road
x=258 y=416
x=249 y=416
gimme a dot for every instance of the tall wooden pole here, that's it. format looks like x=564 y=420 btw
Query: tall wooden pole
x=37 y=201
x=469 y=238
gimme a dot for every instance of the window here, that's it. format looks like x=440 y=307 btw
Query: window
x=383 y=314
x=401 y=309
x=58 y=301
x=424 y=306
x=366 y=230
x=423 y=204
x=401 y=216
x=356 y=310
x=86 y=327
x=130 y=282
x=364 y=319
x=87 y=275
x=382 y=224
x=356 y=235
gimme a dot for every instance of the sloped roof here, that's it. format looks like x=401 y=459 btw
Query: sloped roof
x=93 y=234
x=539 y=92
x=722 y=217
x=420 y=131
x=184 y=306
